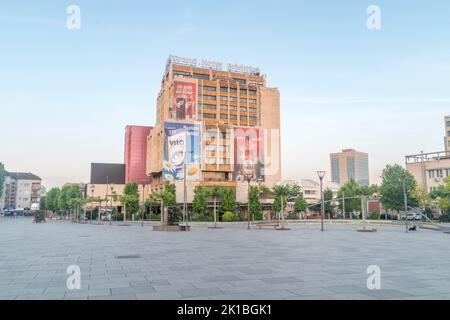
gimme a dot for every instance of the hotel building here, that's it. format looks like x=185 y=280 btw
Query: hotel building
x=220 y=127
x=350 y=165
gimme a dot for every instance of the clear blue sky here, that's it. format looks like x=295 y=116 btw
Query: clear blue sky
x=66 y=96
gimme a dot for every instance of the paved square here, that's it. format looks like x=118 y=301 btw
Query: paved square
x=232 y=263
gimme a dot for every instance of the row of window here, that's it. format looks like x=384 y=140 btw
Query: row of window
x=226 y=117
x=224 y=107
x=438 y=173
x=225 y=98
x=226 y=90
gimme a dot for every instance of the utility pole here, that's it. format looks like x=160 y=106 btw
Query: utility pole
x=405 y=197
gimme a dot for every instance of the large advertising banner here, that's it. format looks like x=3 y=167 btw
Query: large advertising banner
x=184 y=100
x=181 y=144
x=248 y=154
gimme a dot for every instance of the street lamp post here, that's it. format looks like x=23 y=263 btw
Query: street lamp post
x=143 y=204
x=110 y=214
x=249 y=179
x=92 y=199
x=321 y=175
x=405 y=198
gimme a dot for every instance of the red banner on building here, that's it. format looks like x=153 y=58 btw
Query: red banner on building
x=248 y=154
x=184 y=100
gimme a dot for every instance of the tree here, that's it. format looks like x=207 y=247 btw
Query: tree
x=200 y=203
x=130 y=199
x=169 y=195
x=329 y=206
x=255 y=203
x=215 y=192
x=300 y=205
x=424 y=198
x=51 y=200
x=349 y=190
x=2 y=178
x=282 y=193
x=67 y=198
x=442 y=195
x=228 y=202
x=394 y=180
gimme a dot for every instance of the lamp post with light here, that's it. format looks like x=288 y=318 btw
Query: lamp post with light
x=111 y=208
x=321 y=175
x=92 y=187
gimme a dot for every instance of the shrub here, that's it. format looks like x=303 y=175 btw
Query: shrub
x=174 y=216
x=39 y=216
x=228 y=216
x=445 y=217
x=373 y=216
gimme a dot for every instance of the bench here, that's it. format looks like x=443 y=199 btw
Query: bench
x=275 y=224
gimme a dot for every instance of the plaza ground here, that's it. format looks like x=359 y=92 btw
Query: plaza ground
x=135 y=262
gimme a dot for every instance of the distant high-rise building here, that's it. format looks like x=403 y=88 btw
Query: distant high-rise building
x=350 y=165
x=136 y=154
x=447 y=133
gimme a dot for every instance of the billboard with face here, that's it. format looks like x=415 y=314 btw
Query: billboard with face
x=248 y=154
x=181 y=144
x=184 y=100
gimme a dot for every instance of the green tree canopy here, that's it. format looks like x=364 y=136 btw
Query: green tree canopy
x=68 y=196
x=328 y=198
x=200 y=203
x=228 y=202
x=349 y=190
x=394 y=178
x=130 y=198
x=442 y=195
x=255 y=203
x=300 y=205
x=169 y=195
x=51 y=200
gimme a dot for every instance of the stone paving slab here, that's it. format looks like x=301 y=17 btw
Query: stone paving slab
x=231 y=263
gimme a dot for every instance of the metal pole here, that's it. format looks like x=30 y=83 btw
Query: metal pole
x=405 y=197
x=92 y=205
x=322 y=206
x=185 y=191
x=248 y=204
x=142 y=208
x=110 y=217
x=343 y=204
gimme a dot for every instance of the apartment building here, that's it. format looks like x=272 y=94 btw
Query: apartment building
x=447 y=133
x=217 y=126
x=429 y=169
x=21 y=190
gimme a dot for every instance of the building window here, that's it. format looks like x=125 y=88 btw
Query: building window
x=241 y=81
x=208 y=97
x=209 y=116
x=233 y=108
x=222 y=107
x=448 y=123
x=243 y=109
x=252 y=110
x=243 y=91
x=448 y=133
x=201 y=76
x=252 y=92
x=351 y=168
x=210 y=107
x=233 y=116
x=243 y=100
x=223 y=116
x=205 y=88
x=252 y=100
x=223 y=98
x=244 y=118
x=335 y=176
x=252 y=118
x=233 y=99
x=233 y=90
x=223 y=89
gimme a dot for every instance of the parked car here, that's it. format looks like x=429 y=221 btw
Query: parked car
x=388 y=216
x=412 y=216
